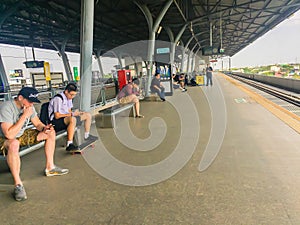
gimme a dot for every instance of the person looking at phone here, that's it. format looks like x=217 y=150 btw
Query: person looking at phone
x=15 y=116
x=62 y=116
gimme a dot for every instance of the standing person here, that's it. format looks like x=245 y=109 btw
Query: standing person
x=209 y=71
x=157 y=87
x=129 y=93
x=61 y=115
x=15 y=115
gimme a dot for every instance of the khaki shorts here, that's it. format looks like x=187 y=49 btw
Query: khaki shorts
x=125 y=100
x=29 y=137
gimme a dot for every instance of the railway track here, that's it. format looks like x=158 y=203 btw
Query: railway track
x=288 y=97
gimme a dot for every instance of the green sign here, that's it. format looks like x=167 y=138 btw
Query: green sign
x=75 y=71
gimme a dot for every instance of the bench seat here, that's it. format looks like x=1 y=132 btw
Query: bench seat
x=108 y=116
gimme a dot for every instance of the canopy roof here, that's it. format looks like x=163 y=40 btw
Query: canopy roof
x=42 y=23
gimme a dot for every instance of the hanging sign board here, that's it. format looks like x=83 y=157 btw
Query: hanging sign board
x=76 y=75
x=212 y=50
x=47 y=71
x=162 y=50
x=34 y=64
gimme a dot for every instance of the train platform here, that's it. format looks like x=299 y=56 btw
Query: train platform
x=236 y=162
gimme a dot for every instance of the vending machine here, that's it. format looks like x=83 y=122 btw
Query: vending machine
x=124 y=77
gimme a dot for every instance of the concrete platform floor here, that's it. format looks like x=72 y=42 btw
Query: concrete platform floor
x=253 y=180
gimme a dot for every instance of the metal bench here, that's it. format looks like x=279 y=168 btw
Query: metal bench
x=27 y=149
x=108 y=117
x=45 y=96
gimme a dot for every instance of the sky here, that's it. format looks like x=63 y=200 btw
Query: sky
x=279 y=45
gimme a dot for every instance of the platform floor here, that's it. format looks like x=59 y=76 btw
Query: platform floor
x=253 y=180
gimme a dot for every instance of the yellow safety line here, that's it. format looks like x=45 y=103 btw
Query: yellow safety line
x=286 y=116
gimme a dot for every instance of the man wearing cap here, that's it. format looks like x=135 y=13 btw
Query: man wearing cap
x=15 y=116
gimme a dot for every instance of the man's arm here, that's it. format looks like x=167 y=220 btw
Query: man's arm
x=37 y=123
x=59 y=115
x=10 y=130
x=57 y=104
x=40 y=126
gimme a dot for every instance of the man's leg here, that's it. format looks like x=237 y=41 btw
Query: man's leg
x=49 y=138
x=70 y=122
x=133 y=98
x=136 y=106
x=14 y=163
x=51 y=168
x=71 y=125
x=162 y=93
x=209 y=80
x=87 y=118
x=13 y=159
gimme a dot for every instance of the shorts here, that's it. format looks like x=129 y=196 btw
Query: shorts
x=125 y=100
x=59 y=124
x=29 y=137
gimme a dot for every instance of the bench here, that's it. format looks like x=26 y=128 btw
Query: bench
x=44 y=97
x=27 y=149
x=108 y=116
x=153 y=97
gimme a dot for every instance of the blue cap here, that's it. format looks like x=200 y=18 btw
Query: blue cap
x=30 y=94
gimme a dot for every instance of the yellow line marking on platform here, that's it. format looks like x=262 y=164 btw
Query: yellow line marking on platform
x=286 y=116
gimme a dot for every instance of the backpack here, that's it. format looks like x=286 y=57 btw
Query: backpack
x=44 y=113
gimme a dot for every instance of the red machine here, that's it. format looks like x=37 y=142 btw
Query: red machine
x=124 y=77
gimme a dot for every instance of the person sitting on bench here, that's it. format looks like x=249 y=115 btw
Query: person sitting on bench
x=157 y=87
x=129 y=94
x=178 y=83
x=15 y=116
x=61 y=115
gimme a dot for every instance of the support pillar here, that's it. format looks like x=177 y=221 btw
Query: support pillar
x=86 y=52
x=64 y=58
x=98 y=57
x=152 y=29
x=3 y=77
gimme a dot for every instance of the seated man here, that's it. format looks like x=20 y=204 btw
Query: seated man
x=129 y=93
x=181 y=80
x=61 y=115
x=177 y=84
x=14 y=118
x=157 y=87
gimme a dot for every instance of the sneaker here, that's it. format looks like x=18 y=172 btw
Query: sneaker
x=72 y=148
x=56 y=171
x=20 y=193
x=91 y=138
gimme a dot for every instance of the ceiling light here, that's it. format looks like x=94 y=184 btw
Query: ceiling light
x=159 y=29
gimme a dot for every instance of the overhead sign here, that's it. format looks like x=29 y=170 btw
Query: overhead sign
x=212 y=50
x=34 y=64
x=162 y=50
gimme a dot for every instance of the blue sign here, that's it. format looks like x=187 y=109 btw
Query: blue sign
x=162 y=50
